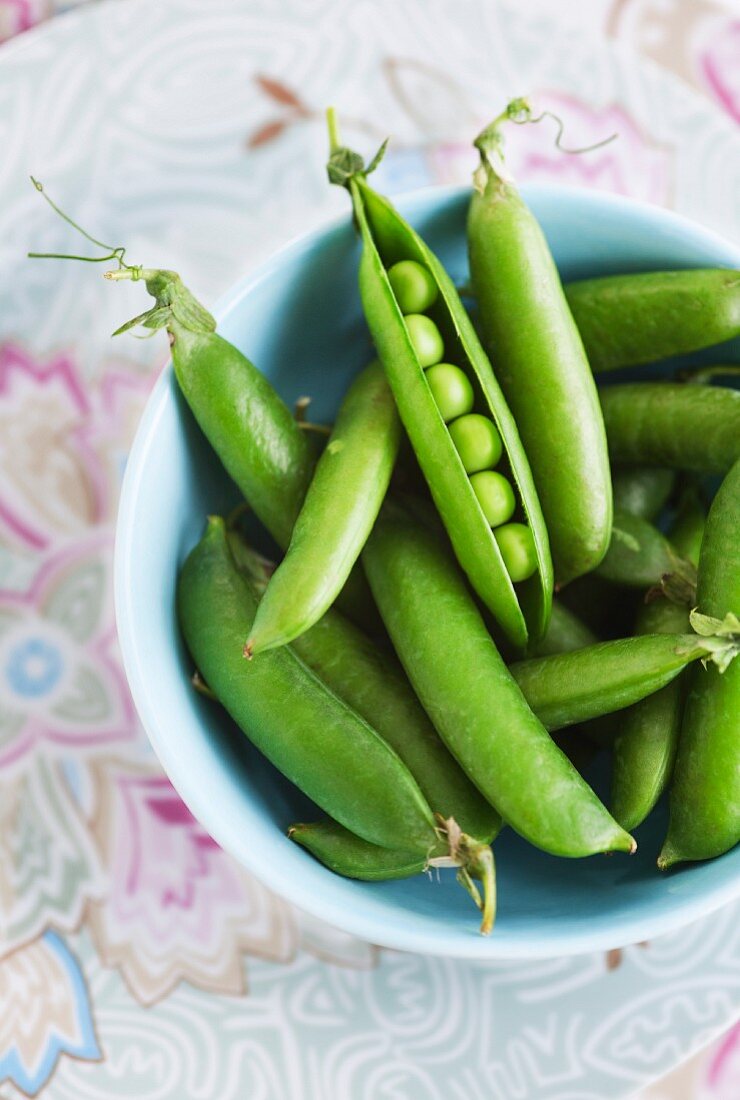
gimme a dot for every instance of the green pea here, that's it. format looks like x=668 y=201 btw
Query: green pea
x=413 y=286
x=496 y=498
x=426 y=339
x=451 y=390
x=517 y=549
x=477 y=441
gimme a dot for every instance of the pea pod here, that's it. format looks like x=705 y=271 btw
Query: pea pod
x=695 y=428
x=472 y=699
x=340 y=507
x=638 y=555
x=687 y=529
x=312 y=737
x=371 y=681
x=626 y=320
x=705 y=797
x=347 y=855
x=574 y=687
x=645 y=748
x=539 y=359
x=522 y=610
x=642 y=490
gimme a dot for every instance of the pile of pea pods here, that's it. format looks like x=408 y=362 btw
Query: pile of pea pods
x=473 y=588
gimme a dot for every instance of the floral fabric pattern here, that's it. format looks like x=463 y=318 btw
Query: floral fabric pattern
x=136 y=957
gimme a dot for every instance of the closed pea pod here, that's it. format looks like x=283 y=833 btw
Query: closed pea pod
x=568 y=688
x=687 y=528
x=372 y=682
x=471 y=698
x=347 y=855
x=312 y=737
x=684 y=427
x=645 y=748
x=303 y=727
x=251 y=429
x=639 y=554
x=626 y=320
x=341 y=504
x=539 y=359
x=263 y=449
x=422 y=393
x=705 y=795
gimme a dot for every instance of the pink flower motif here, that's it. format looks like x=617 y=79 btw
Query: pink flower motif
x=20 y=15
x=62 y=444
x=179 y=907
x=631 y=165
x=718 y=63
x=722 y=1074
x=60 y=676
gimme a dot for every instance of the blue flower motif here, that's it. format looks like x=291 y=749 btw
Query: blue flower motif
x=34 y=668
x=59 y=977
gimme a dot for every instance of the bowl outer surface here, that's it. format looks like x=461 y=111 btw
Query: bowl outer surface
x=299 y=318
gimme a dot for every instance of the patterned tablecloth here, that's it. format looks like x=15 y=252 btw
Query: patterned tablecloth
x=136 y=958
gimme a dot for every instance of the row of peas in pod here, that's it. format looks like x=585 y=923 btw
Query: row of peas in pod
x=475 y=436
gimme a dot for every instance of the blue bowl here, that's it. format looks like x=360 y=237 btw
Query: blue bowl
x=299 y=318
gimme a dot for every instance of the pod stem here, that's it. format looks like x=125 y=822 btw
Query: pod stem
x=345 y=164
x=715 y=640
x=332 y=125
x=474 y=860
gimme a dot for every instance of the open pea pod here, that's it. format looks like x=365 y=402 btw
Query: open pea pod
x=522 y=610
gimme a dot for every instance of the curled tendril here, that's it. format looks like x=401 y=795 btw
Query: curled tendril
x=522 y=114
x=519 y=111
x=114 y=252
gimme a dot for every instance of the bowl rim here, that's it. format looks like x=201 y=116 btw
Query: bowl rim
x=548 y=944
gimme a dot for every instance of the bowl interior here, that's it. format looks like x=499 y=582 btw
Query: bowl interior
x=299 y=318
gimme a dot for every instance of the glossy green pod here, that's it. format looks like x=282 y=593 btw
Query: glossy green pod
x=684 y=427
x=539 y=359
x=638 y=555
x=302 y=727
x=471 y=697
x=626 y=320
x=574 y=687
x=645 y=748
x=342 y=501
x=687 y=529
x=371 y=681
x=347 y=855
x=266 y=453
x=705 y=796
